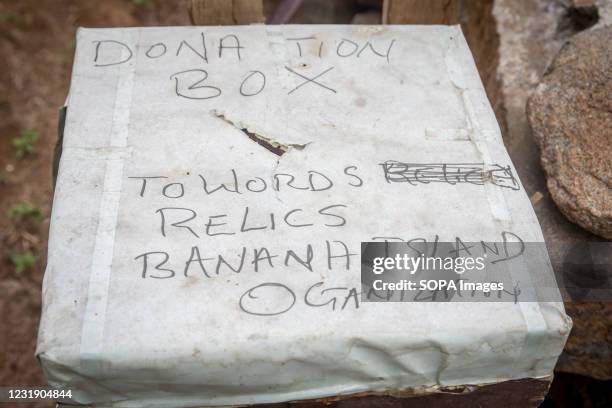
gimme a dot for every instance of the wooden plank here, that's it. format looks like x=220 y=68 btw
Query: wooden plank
x=525 y=393
x=421 y=11
x=225 y=12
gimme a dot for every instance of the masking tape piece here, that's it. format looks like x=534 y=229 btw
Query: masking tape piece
x=92 y=333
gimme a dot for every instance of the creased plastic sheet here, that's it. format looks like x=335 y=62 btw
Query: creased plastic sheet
x=214 y=187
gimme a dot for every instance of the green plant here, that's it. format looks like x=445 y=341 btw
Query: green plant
x=25 y=211
x=142 y=3
x=24 y=144
x=8 y=17
x=23 y=261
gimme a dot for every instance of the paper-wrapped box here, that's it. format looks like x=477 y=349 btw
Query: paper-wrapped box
x=214 y=189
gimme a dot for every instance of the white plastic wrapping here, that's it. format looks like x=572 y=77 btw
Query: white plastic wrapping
x=177 y=105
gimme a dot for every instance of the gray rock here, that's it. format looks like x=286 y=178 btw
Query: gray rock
x=570 y=114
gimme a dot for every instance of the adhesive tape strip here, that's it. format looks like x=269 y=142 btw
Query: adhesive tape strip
x=92 y=333
x=535 y=323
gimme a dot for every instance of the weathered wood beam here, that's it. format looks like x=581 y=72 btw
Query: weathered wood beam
x=226 y=12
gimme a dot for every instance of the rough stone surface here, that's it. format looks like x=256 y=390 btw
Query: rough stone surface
x=531 y=34
x=571 y=117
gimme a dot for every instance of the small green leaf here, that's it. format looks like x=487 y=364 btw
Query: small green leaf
x=24 y=144
x=25 y=211
x=8 y=17
x=142 y=3
x=23 y=261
